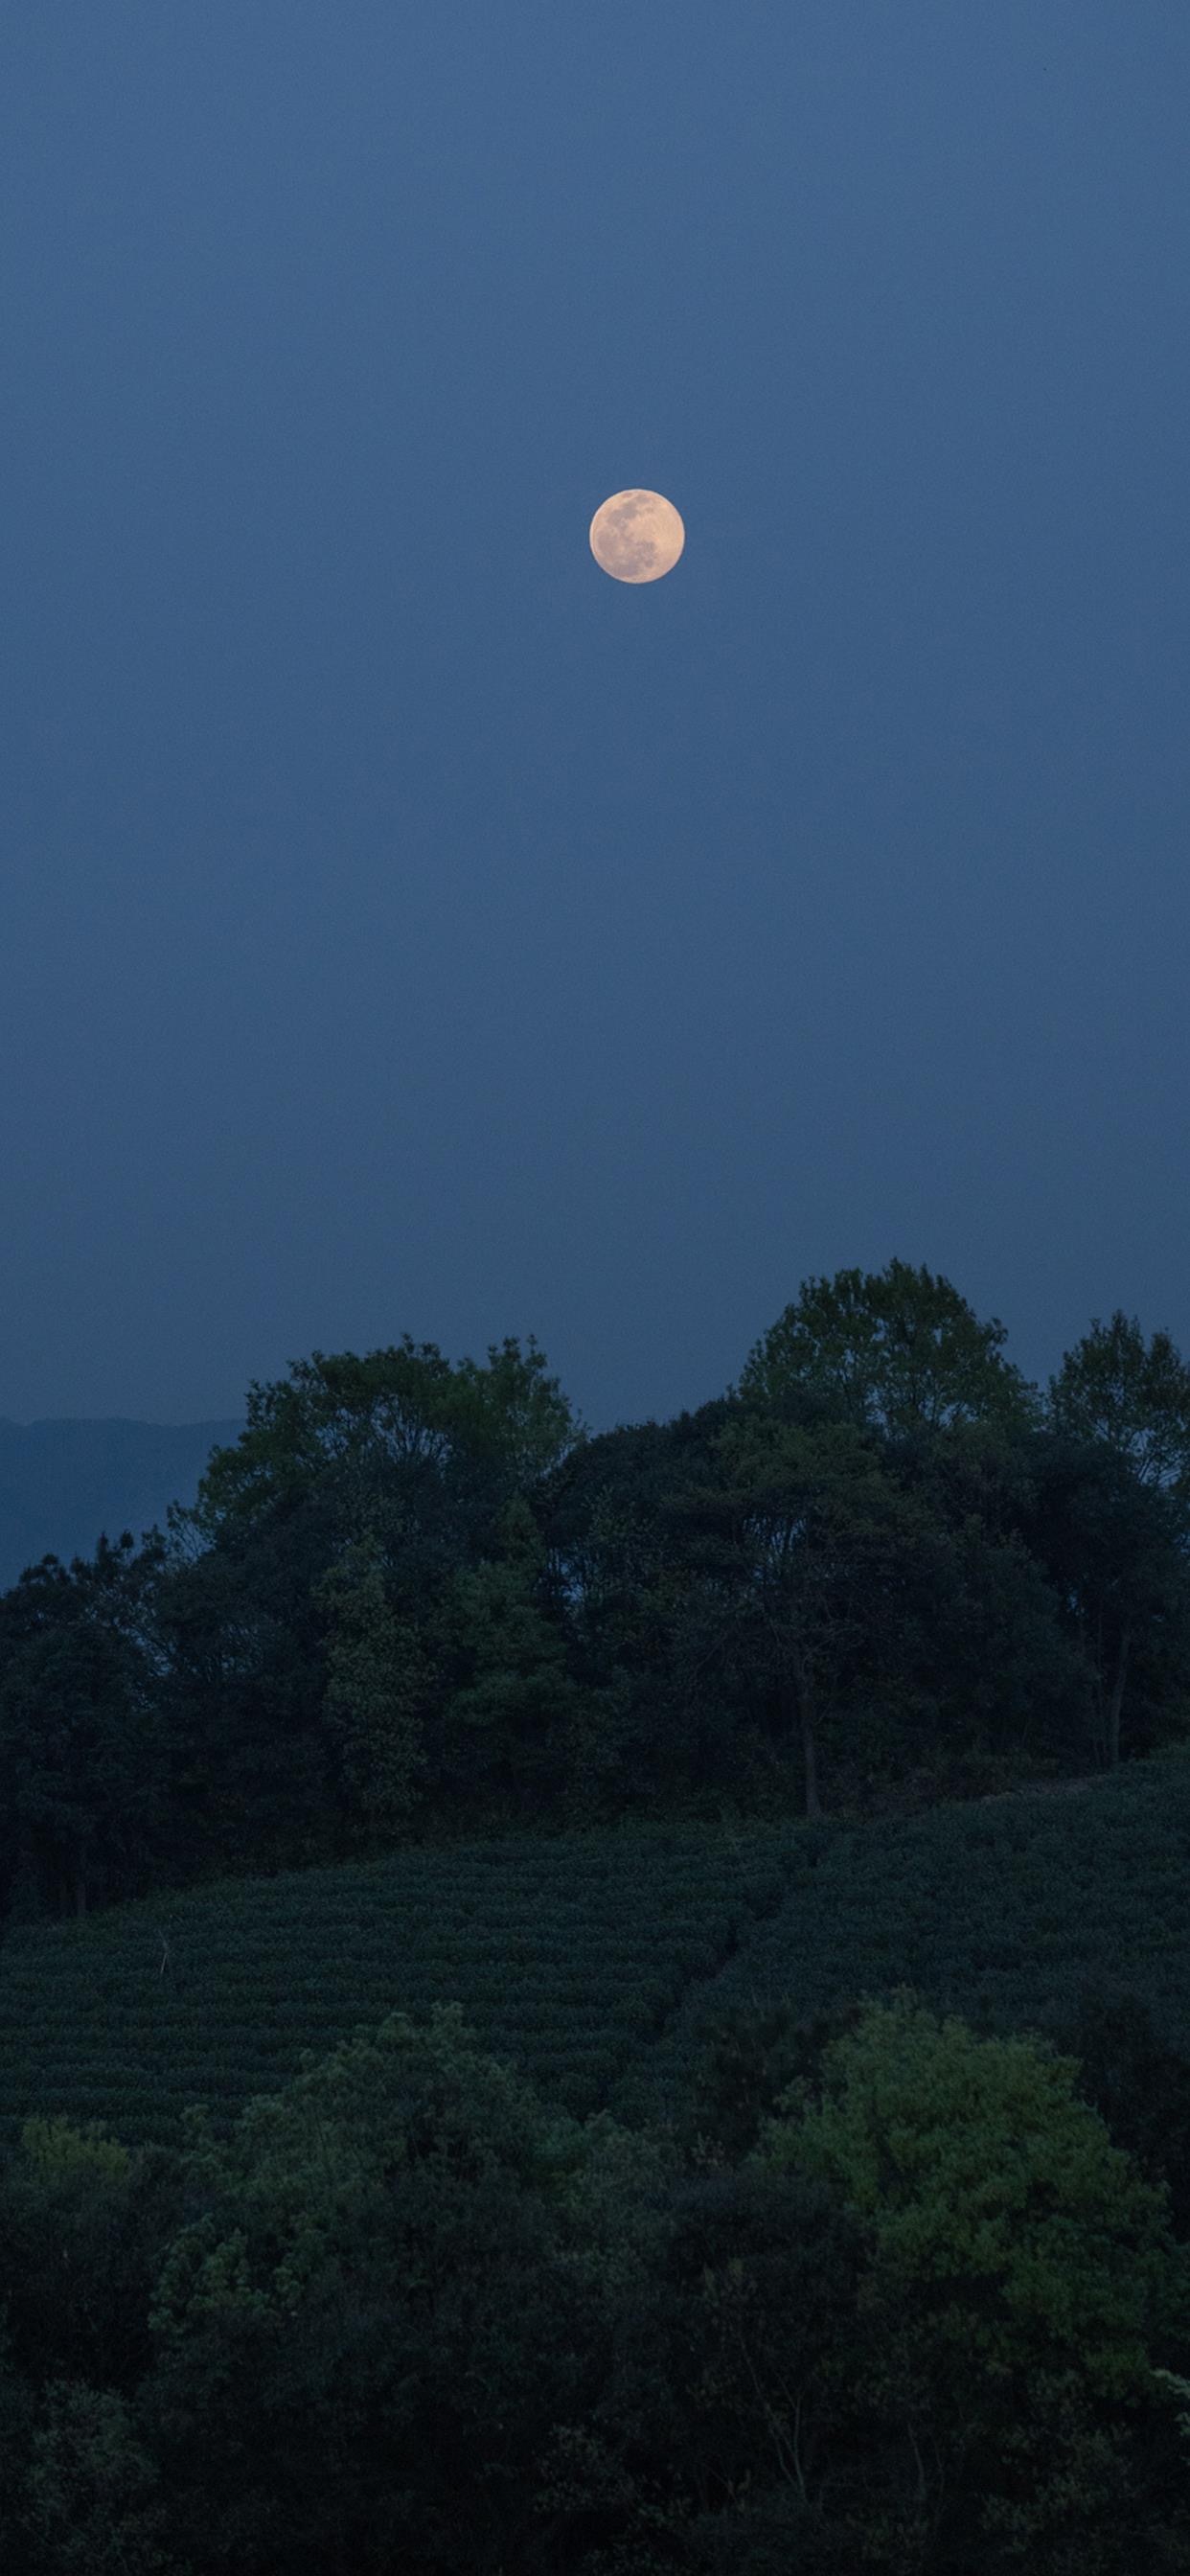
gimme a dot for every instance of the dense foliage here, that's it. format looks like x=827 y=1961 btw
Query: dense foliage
x=808 y=2183
x=407 y=2311
x=417 y=1600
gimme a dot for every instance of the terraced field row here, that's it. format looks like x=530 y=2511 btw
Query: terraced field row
x=593 y=1962
x=566 y=1957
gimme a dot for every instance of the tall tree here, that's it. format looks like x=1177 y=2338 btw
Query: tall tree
x=1113 y=1544
x=367 y=2331
x=1134 y=1396
x=1024 y=2275
x=810 y=1542
x=1129 y=1397
x=602 y=1509
x=509 y=1711
x=620 y=1567
x=399 y=1427
x=1001 y=1652
x=379 y=1687
x=893 y=1349
x=81 y=1726
x=397 y=1454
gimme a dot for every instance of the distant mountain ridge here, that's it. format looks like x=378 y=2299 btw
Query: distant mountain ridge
x=63 y=1482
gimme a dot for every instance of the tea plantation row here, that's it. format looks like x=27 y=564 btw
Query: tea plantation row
x=592 y=1961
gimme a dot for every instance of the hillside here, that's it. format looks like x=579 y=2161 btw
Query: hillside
x=63 y=1482
x=591 y=1960
x=996 y=1909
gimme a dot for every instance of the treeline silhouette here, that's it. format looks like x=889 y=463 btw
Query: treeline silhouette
x=416 y=1600
x=890 y=2289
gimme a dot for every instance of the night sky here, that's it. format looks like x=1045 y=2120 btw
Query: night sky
x=407 y=928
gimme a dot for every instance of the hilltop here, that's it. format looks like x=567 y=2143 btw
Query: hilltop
x=64 y=1481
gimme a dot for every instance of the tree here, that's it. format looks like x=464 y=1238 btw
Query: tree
x=396 y=1436
x=91 y=2504
x=397 y=1455
x=1113 y=1550
x=811 y=1543
x=248 y=1742
x=748 y=2056
x=893 y=1350
x=18 y=2408
x=1022 y=2271
x=374 y=2315
x=1138 y=2083
x=1086 y=1561
x=1131 y=1399
x=510 y=1709
x=631 y=1586
x=758 y=2274
x=355 y=1492
x=603 y=1511
x=379 y=1687
x=1135 y=1397
x=81 y=1729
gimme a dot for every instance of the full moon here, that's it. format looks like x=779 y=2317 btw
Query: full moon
x=636 y=536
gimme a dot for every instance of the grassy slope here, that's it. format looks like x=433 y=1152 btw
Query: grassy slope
x=592 y=1960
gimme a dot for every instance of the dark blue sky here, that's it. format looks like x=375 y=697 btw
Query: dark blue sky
x=407 y=928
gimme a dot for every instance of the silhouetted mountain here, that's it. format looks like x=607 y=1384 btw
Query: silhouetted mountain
x=62 y=1483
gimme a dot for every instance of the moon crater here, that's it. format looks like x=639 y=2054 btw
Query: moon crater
x=637 y=536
